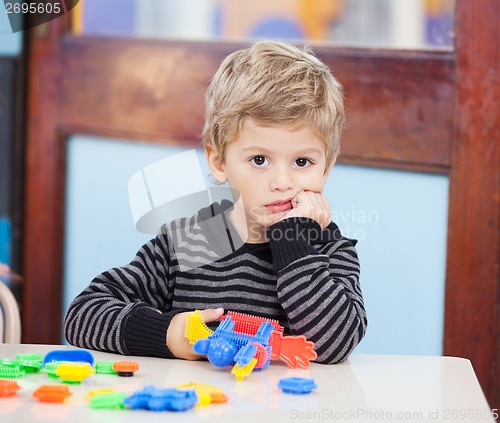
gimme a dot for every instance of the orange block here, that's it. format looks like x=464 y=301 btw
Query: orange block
x=52 y=393
x=125 y=368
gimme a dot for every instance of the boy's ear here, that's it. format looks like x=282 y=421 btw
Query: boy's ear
x=216 y=164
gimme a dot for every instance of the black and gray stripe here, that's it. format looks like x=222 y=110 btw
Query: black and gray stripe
x=312 y=288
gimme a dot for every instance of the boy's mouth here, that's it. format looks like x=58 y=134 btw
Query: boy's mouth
x=279 y=206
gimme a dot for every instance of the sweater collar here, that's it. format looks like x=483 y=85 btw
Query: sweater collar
x=222 y=235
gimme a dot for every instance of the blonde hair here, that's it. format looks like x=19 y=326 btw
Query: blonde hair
x=274 y=83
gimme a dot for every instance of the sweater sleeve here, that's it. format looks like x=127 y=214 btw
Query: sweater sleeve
x=126 y=310
x=319 y=291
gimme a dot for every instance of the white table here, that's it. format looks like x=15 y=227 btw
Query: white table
x=366 y=388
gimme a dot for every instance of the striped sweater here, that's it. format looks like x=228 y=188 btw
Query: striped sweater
x=305 y=277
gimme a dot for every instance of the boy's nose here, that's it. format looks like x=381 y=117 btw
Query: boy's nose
x=281 y=180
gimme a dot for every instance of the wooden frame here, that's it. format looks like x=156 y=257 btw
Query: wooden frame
x=425 y=111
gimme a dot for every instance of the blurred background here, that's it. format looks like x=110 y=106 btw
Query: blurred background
x=411 y=24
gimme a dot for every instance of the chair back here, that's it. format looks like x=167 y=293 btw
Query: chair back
x=10 y=318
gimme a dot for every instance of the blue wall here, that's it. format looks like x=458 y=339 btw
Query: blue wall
x=399 y=218
x=10 y=43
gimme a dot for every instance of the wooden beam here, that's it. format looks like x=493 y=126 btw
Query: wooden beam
x=44 y=189
x=399 y=104
x=473 y=275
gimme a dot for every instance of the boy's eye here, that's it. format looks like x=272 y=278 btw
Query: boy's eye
x=259 y=161
x=302 y=162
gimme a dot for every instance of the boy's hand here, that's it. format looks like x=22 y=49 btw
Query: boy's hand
x=177 y=343
x=310 y=204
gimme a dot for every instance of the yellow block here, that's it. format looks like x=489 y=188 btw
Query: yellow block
x=206 y=393
x=242 y=372
x=74 y=372
x=196 y=328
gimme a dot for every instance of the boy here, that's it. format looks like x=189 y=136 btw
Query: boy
x=274 y=115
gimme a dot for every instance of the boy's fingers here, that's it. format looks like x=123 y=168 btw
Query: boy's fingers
x=211 y=314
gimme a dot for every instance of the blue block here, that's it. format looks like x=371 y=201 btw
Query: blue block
x=83 y=356
x=156 y=399
x=297 y=385
x=245 y=354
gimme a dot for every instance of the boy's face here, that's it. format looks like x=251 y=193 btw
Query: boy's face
x=269 y=166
